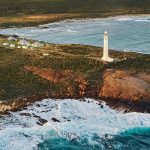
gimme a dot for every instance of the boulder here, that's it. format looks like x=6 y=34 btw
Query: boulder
x=121 y=85
x=45 y=54
x=37 y=44
x=11 y=39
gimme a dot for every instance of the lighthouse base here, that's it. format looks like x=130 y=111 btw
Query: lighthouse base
x=108 y=59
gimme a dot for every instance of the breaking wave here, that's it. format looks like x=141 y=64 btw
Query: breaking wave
x=73 y=124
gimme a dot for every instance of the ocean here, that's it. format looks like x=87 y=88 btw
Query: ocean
x=74 y=125
x=129 y=33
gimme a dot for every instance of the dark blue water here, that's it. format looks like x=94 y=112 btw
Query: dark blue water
x=90 y=127
x=133 y=139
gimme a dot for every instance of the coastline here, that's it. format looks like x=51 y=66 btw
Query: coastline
x=57 y=88
x=36 y=19
x=81 y=88
x=123 y=19
x=19 y=103
x=116 y=104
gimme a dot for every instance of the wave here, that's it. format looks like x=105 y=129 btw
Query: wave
x=71 y=120
x=142 y=20
x=124 y=19
x=69 y=30
x=143 y=130
x=135 y=138
x=133 y=19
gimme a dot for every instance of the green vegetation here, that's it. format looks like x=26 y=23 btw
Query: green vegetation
x=140 y=63
x=16 y=82
x=13 y=7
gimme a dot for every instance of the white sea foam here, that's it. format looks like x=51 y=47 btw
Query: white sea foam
x=142 y=20
x=78 y=119
x=124 y=19
x=69 y=30
x=132 y=18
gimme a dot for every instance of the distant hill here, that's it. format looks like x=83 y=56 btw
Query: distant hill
x=15 y=7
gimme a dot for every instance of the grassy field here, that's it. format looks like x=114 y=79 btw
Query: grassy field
x=16 y=82
x=34 y=12
x=34 y=20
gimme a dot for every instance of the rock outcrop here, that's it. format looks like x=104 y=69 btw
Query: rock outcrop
x=126 y=86
x=74 y=84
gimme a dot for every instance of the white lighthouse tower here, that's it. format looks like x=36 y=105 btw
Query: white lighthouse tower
x=105 y=49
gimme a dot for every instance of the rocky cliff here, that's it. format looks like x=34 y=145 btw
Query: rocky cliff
x=124 y=85
x=118 y=85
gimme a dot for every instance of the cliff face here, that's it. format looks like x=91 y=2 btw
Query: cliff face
x=117 y=84
x=121 y=85
x=74 y=85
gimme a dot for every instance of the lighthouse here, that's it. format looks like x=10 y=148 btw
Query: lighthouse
x=105 y=49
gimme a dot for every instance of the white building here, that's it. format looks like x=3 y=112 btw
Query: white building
x=24 y=42
x=105 y=49
x=12 y=45
x=37 y=44
x=5 y=44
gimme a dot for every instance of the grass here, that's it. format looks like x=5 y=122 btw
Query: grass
x=14 y=81
x=138 y=64
x=9 y=7
x=33 y=20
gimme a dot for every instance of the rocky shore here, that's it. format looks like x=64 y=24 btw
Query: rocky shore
x=120 y=89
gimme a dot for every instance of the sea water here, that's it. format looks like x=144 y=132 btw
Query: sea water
x=79 y=125
x=130 y=33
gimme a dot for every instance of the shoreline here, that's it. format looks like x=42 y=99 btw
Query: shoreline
x=73 y=16
x=6 y=107
x=108 y=17
x=125 y=105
